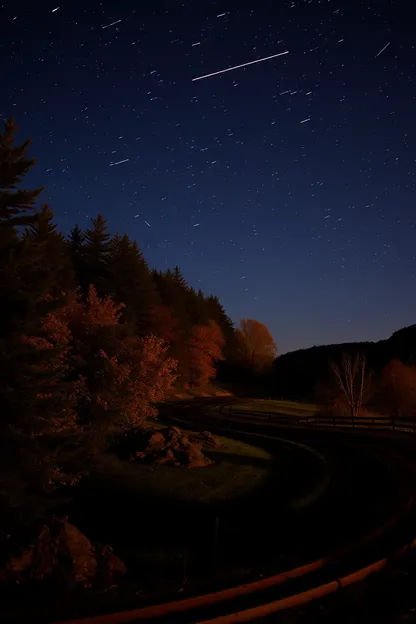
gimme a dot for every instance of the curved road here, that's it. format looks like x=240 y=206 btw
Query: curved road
x=370 y=483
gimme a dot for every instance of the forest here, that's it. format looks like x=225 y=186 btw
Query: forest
x=91 y=339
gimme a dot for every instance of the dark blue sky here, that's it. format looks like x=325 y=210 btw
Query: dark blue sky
x=287 y=187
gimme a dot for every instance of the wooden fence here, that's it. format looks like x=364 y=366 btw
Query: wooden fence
x=376 y=423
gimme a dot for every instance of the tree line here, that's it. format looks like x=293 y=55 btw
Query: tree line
x=91 y=338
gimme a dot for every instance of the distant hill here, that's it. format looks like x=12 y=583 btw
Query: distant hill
x=298 y=372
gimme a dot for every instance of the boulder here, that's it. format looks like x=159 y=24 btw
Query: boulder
x=62 y=554
x=168 y=457
x=192 y=457
x=208 y=438
x=156 y=440
x=172 y=447
x=80 y=550
x=20 y=563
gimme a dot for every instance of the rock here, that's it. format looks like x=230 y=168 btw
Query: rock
x=172 y=447
x=208 y=438
x=167 y=458
x=116 y=565
x=109 y=563
x=184 y=440
x=193 y=457
x=80 y=550
x=176 y=430
x=64 y=555
x=22 y=562
x=155 y=441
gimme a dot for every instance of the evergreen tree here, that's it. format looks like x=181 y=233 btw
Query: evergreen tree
x=173 y=290
x=56 y=267
x=75 y=243
x=27 y=365
x=96 y=256
x=196 y=307
x=215 y=311
x=131 y=283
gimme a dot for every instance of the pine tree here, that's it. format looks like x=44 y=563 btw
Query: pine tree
x=131 y=283
x=16 y=205
x=96 y=256
x=56 y=267
x=215 y=311
x=27 y=370
x=75 y=243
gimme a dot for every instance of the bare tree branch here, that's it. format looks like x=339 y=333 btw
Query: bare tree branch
x=354 y=380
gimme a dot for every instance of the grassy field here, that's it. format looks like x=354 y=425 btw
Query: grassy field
x=238 y=468
x=292 y=408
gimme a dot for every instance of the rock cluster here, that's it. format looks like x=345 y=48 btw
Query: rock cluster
x=63 y=555
x=172 y=447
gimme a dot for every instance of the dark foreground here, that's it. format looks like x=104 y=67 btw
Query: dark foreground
x=203 y=548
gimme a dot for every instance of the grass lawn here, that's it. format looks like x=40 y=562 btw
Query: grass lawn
x=292 y=408
x=238 y=468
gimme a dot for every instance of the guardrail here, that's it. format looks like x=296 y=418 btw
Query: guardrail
x=341 y=422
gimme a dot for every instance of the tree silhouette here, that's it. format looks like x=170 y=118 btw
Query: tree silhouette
x=256 y=348
x=27 y=365
x=354 y=380
x=96 y=253
x=131 y=282
x=204 y=349
x=397 y=390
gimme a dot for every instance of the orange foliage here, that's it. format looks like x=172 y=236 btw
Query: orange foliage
x=255 y=345
x=117 y=376
x=204 y=348
x=163 y=323
x=398 y=389
x=48 y=376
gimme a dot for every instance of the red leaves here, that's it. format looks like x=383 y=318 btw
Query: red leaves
x=204 y=348
x=118 y=375
x=398 y=389
x=163 y=323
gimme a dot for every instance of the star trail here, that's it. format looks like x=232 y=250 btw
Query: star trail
x=296 y=173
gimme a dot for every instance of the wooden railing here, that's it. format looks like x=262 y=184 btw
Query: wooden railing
x=378 y=423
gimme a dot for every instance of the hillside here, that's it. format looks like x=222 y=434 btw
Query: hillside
x=298 y=372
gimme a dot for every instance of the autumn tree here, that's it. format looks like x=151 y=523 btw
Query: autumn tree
x=354 y=381
x=174 y=292
x=163 y=323
x=204 y=348
x=397 y=390
x=255 y=346
x=123 y=375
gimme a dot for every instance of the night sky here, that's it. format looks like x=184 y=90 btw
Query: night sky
x=287 y=187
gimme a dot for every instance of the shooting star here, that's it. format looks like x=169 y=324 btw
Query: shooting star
x=119 y=162
x=382 y=49
x=54 y=10
x=112 y=24
x=222 y=71
x=148 y=224
x=305 y=120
